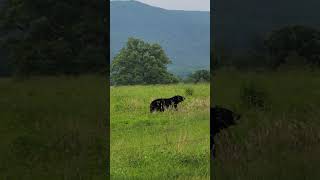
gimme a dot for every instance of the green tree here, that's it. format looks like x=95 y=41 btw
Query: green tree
x=301 y=40
x=141 y=63
x=54 y=37
x=200 y=76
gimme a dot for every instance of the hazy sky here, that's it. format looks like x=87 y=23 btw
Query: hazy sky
x=196 y=5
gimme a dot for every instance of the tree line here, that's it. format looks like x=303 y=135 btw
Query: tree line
x=45 y=37
x=292 y=45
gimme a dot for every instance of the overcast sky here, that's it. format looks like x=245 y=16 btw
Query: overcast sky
x=195 y=5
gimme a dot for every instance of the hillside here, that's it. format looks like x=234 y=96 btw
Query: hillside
x=3 y=63
x=185 y=35
x=2 y=3
x=238 y=24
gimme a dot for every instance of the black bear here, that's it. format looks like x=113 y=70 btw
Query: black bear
x=162 y=104
x=221 y=118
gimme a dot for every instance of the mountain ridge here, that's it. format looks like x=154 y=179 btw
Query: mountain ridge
x=238 y=23
x=184 y=35
x=144 y=4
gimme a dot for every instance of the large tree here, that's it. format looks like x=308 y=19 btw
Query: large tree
x=52 y=37
x=140 y=62
x=302 y=40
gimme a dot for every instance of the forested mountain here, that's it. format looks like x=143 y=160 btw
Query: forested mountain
x=3 y=63
x=184 y=35
x=242 y=24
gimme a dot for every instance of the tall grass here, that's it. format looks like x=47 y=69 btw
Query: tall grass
x=53 y=128
x=168 y=145
x=281 y=142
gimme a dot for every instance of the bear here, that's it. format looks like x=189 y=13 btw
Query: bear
x=221 y=118
x=162 y=104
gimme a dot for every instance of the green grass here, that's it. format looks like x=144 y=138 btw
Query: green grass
x=53 y=128
x=282 y=142
x=168 y=145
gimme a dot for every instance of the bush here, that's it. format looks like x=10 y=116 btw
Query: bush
x=253 y=96
x=189 y=91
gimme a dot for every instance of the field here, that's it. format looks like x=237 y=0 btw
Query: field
x=53 y=128
x=168 y=145
x=281 y=141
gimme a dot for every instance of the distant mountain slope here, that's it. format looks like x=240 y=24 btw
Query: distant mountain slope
x=185 y=35
x=3 y=62
x=238 y=23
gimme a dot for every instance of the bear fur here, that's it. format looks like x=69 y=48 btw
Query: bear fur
x=221 y=118
x=163 y=104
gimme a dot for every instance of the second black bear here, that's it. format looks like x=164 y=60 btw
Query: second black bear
x=162 y=104
x=221 y=118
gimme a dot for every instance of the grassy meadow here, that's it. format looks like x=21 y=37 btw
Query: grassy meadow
x=279 y=142
x=168 y=145
x=53 y=128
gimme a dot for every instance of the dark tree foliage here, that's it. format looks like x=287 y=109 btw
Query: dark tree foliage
x=54 y=36
x=200 y=76
x=295 y=45
x=141 y=63
x=302 y=40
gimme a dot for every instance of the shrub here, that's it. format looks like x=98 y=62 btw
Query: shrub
x=253 y=96
x=189 y=91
